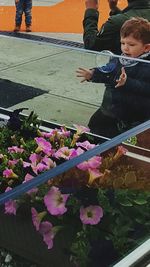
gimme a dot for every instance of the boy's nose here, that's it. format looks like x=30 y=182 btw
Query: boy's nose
x=126 y=48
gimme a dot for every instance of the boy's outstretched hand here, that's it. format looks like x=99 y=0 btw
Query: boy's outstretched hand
x=85 y=74
x=112 y=4
x=122 y=79
x=91 y=4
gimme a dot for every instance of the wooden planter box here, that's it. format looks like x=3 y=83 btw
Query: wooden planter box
x=18 y=234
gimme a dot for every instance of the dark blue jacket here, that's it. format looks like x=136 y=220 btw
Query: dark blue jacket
x=131 y=102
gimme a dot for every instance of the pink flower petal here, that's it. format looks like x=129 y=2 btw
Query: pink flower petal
x=55 y=201
x=10 y=206
x=91 y=215
x=87 y=145
x=46 y=230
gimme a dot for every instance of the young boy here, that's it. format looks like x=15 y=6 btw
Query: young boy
x=128 y=103
x=23 y=6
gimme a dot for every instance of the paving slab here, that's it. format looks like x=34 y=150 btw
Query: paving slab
x=15 y=51
x=58 y=109
x=51 y=69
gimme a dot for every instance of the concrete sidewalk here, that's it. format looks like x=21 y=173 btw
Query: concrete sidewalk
x=52 y=69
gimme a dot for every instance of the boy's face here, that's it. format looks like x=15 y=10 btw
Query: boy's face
x=132 y=47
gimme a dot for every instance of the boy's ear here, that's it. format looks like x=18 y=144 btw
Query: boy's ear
x=147 y=47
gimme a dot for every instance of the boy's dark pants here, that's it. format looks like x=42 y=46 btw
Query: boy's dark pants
x=23 y=6
x=104 y=125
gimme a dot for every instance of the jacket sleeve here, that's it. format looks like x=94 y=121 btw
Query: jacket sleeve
x=115 y=12
x=137 y=87
x=105 y=39
x=100 y=77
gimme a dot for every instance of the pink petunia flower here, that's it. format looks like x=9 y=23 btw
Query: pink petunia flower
x=94 y=173
x=37 y=218
x=48 y=162
x=65 y=153
x=43 y=146
x=15 y=149
x=35 y=158
x=58 y=133
x=12 y=163
x=92 y=163
x=92 y=166
x=26 y=164
x=120 y=152
x=63 y=132
x=29 y=177
x=39 y=163
x=40 y=167
x=79 y=151
x=81 y=129
x=8 y=173
x=10 y=206
x=55 y=201
x=91 y=215
x=46 y=230
x=36 y=164
x=45 y=134
x=45 y=164
x=86 y=144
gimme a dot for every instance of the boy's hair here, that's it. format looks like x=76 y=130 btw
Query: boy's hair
x=138 y=27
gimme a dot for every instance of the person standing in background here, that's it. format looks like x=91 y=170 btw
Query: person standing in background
x=23 y=6
x=108 y=38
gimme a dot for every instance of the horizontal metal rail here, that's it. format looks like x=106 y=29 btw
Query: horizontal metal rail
x=137 y=258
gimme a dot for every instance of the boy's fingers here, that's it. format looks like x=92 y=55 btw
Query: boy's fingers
x=82 y=69
x=79 y=72
x=117 y=85
x=79 y=75
x=123 y=71
x=122 y=76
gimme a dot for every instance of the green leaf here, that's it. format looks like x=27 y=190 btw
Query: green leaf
x=140 y=201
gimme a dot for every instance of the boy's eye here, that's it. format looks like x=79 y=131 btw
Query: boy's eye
x=132 y=44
